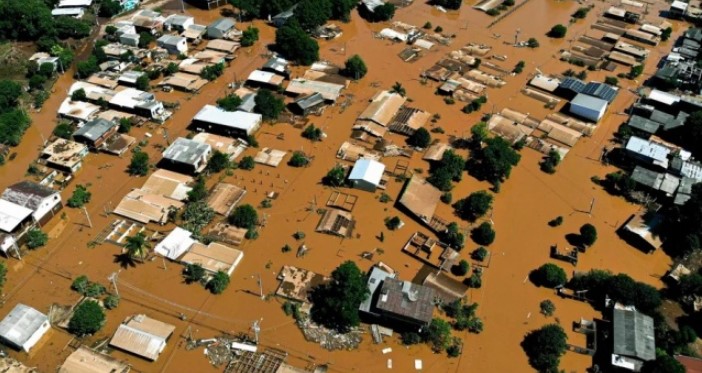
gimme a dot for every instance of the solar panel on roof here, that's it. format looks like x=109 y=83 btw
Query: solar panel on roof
x=600 y=90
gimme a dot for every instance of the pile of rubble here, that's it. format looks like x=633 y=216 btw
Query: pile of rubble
x=330 y=339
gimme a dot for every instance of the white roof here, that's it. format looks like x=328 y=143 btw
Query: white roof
x=663 y=97
x=175 y=244
x=131 y=98
x=367 y=170
x=74 y=3
x=235 y=119
x=20 y=325
x=77 y=109
x=389 y=33
x=74 y=11
x=657 y=152
x=11 y=215
x=679 y=5
x=261 y=76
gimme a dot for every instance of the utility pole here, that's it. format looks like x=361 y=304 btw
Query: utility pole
x=85 y=210
x=260 y=285
x=14 y=245
x=256 y=327
x=113 y=278
x=516 y=36
x=592 y=205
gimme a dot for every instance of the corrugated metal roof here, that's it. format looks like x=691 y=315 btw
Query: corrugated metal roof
x=234 y=119
x=11 y=215
x=633 y=334
x=590 y=102
x=186 y=151
x=656 y=152
x=222 y=24
x=367 y=170
x=20 y=325
x=95 y=129
x=643 y=124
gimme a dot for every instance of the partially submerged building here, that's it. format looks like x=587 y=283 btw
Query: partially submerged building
x=142 y=336
x=186 y=155
x=330 y=91
x=95 y=133
x=173 y=44
x=633 y=337
x=23 y=327
x=220 y=29
x=213 y=257
x=297 y=283
x=64 y=155
x=588 y=107
x=336 y=222
x=640 y=230
x=43 y=201
x=86 y=360
x=420 y=198
x=404 y=305
x=229 y=123
x=224 y=197
x=367 y=174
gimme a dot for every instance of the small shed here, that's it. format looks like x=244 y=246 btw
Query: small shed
x=23 y=327
x=367 y=174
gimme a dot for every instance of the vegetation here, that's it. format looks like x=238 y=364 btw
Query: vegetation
x=355 y=68
x=125 y=125
x=335 y=177
x=335 y=304
x=474 y=105
x=196 y=216
x=665 y=35
x=3 y=274
x=460 y=269
x=142 y=83
x=230 y=102
x=80 y=197
x=483 y=234
x=547 y=308
x=393 y=223
x=479 y=254
x=381 y=13
x=139 y=164
x=478 y=134
x=438 y=335
x=620 y=288
x=558 y=31
x=448 y=4
x=79 y=95
x=36 y=238
x=635 y=71
x=611 y=80
x=87 y=319
x=532 y=43
x=218 y=283
x=111 y=301
x=218 y=162
x=550 y=161
x=463 y=315
x=212 y=72
x=663 y=364
x=474 y=206
x=268 y=105
x=63 y=130
x=588 y=234
x=556 y=221
x=399 y=89
x=31 y=20
x=548 y=275
x=581 y=13
x=421 y=138
x=247 y=163
x=452 y=236
x=137 y=246
x=519 y=67
x=545 y=346
x=493 y=162
x=298 y=159
x=292 y=41
x=244 y=216
x=249 y=37
x=199 y=190
x=312 y=132
x=448 y=169
x=446 y=197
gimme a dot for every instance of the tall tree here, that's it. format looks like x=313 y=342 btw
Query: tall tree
x=494 y=162
x=311 y=14
x=341 y=9
x=268 y=105
x=293 y=42
x=335 y=304
x=137 y=246
x=545 y=346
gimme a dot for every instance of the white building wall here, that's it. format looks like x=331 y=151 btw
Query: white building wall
x=36 y=336
x=46 y=205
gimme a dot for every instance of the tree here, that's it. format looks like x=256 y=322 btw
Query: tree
x=544 y=347
x=311 y=14
x=399 y=89
x=193 y=273
x=244 y=216
x=479 y=254
x=381 y=13
x=142 y=82
x=3 y=274
x=665 y=35
x=588 y=234
x=581 y=13
x=249 y=36
x=335 y=304
x=80 y=284
x=294 y=43
x=36 y=82
x=197 y=215
x=550 y=161
x=479 y=132
x=635 y=71
x=547 y=308
x=268 y=105
x=483 y=234
x=137 y=246
x=171 y=69
x=125 y=125
x=63 y=130
x=558 y=31
x=494 y=162
x=556 y=221
x=247 y=163
x=87 y=319
x=611 y=80
x=461 y=269
x=111 y=301
x=355 y=68
x=313 y=133
x=448 y=169
x=80 y=197
x=619 y=288
x=69 y=27
x=452 y=236
x=218 y=162
x=335 y=177
x=25 y=20
x=421 y=138
x=474 y=206
x=212 y=72
x=145 y=39
x=109 y=8
x=198 y=191
x=36 y=238
x=532 y=43
x=663 y=364
x=298 y=159
x=139 y=164
x=79 y=95
x=438 y=334
x=519 y=67
x=548 y=275
x=393 y=223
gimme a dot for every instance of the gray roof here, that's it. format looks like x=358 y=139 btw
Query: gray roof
x=186 y=151
x=407 y=300
x=286 y=14
x=694 y=34
x=95 y=129
x=248 y=103
x=222 y=24
x=170 y=39
x=375 y=278
x=590 y=102
x=669 y=121
x=178 y=19
x=633 y=334
x=310 y=101
x=21 y=324
x=573 y=84
x=276 y=64
x=27 y=194
x=643 y=124
x=600 y=90
x=644 y=176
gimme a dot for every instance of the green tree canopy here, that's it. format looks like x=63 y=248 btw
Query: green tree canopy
x=80 y=197
x=663 y=364
x=137 y=246
x=247 y=163
x=474 y=206
x=87 y=319
x=244 y=216
x=313 y=133
x=193 y=273
x=483 y=234
x=381 y=13
x=218 y=162
x=619 y=288
x=588 y=234
x=545 y=346
x=298 y=159
x=335 y=304
x=335 y=177
x=292 y=41
x=452 y=236
x=139 y=164
x=421 y=138
x=558 y=31
x=549 y=275
x=355 y=67
x=249 y=36
x=199 y=190
x=438 y=334
x=218 y=283
x=25 y=20
x=36 y=238
x=268 y=105
x=311 y=14
x=448 y=169
x=341 y=9
x=494 y=162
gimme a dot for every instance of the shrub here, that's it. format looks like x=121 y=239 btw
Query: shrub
x=547 y=307
x=193 y=273
x=139 y=164
x=218 y=162
x=125 y=125
x=218 y=283
x=393 y=223
x=36 y=238
x=532 y=43
x=452 y=236
x=80 y=284
x=479 y=254
x=335 y=177
x=421 y=138
x=230 y=102
x=556 y=222
x=80 y=197
x=558 y=31
x=550 y=161
x=355 y=68
x=63 y=130
x=588 y=234
x=79 y=95
x=461 y=269
x=313 y=133
x=298 y=159
x=483 y=234
x=247 y=163
x=611 y=80
x=244 y=216
x=111 y=301
x=249 y=36
x=87 y=319
x=94 y=290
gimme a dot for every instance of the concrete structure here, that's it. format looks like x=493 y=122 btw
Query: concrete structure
x=95 y=132
x=633 y=337
x=178 y=22
x=405 y=305
x=65 y=155
x=175 y=244
x=376 y=276
x=173 y=44
x=43 y=201
x=142 y=336
x=588 y=107
x=220 y=28
x=230 y=123
x=367 y=174
x=420 y=198
x=77 y=110
x=231 y=147
x=187 y=155
x=23 y=327
x=144 y=207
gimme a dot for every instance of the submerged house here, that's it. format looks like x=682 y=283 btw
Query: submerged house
x=142 y=336
x=23 y=327
x=96 y=132
x=367 y=174
x=399 y=304
x=43 y=201
x=229 y=123
x=186 y=155
x=633 y=338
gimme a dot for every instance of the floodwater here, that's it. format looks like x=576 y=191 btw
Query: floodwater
x=528 y=200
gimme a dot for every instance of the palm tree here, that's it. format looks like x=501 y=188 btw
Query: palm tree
x=137 y=246
x=399 y=89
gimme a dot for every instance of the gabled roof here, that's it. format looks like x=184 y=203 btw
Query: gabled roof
x=11 y=215
x=633 y=334
x=222 y=24
x=142 y=336
x=309 y=101
x=20 y=325
x=589 y=102
x=175 y=244
x=95 y=129
x=368 y=170
x=27 y=194
x=170 y=39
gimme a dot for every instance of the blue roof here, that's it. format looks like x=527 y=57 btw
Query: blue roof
x=573 y=84
x=600 y=90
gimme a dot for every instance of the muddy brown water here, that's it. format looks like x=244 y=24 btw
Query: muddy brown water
x=530 y=198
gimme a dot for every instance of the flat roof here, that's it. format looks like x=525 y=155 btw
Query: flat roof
x=547 y=83
x=77 y=109
x=28 y=194
x=233 y=119
x=663 y=97
x=375 y=279
x=407 y=299
x=420 y=198
x=146 y=207
x=186 y=151
x=368 y=170
x=266 y=77
x=20 y=325
x=168 y=184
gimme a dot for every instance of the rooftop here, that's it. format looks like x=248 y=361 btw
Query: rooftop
x=11 y=215
x=20 y=325
x=95 y=129
x=186 y=151
x=329 y=91
x=593 y=103
x=224 y=197
x=649 y=149
x=142 y=336
x=233 y=119
x=383 y=107
x=222 y=24
x=64 y=152
x=296 y=283
x=145 y=207
x=223 y=45
x=601 y=90
x=407 y=300
x=310 y=101
x=375 y=279
x=77 y=109
x=214 y=257
x=85 y=360
x=573 y=84
x=633 y=334
x=368 y=170
x=175 y=244
x=420 y=198
x=265 y=77
x=27 y=194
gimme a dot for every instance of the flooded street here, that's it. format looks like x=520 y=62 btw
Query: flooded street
x=508 y=302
